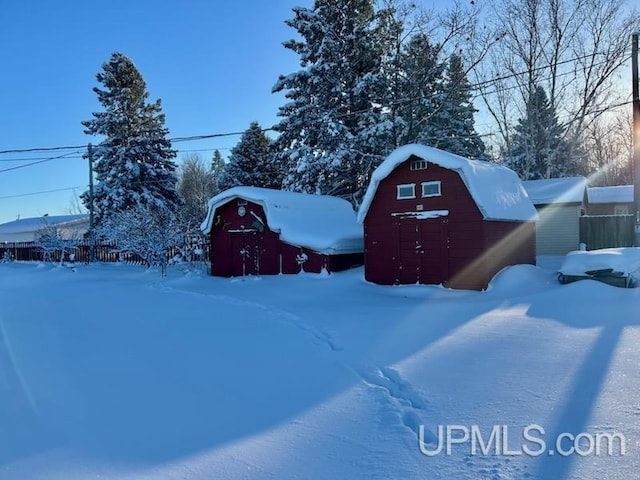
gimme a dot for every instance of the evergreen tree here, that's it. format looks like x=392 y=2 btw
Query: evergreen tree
x=538 y=148
x=217 y=163
x=134 y=163
x=391 y=36
x=455 y=125
x=420 y=101
x=217 y=167
x=333 y=128
x=250 y=162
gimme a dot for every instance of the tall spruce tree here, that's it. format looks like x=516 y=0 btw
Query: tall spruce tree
x=134 y=163
x=332 y=126
x=538 y=147
x=420 y=102
x=454 y=123
x=216 y=162
x=217 y=167
x=250 y=162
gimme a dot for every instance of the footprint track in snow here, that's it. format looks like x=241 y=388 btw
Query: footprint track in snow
x=271 y=312
x=400 y=398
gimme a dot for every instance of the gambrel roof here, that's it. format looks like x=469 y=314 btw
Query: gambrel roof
x=496 y=190
x=320 y=222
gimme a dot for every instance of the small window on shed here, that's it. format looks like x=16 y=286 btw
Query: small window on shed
x=431 y=189
x=418 y=165
x=242 y=201
x=407 y=190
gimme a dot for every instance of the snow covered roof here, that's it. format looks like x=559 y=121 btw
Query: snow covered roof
x=322 y=223
x=617 y=194
x=556 y=190
x=497 y=190
x=25 y=229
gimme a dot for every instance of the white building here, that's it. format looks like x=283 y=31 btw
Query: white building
x=560 y=202
x=28 y=229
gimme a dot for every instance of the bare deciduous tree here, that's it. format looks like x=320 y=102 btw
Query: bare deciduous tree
x=56 y=243
x=571 y=48
x=610 y=149
x=196 y=185
x=146 y=230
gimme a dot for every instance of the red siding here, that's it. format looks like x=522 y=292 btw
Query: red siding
x=506 y=243
x=455 y=250
x=238 y=247
x=291 y=254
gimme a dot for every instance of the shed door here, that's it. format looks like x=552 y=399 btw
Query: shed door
x=433 y=251
x=244 y=253
x=421 y=251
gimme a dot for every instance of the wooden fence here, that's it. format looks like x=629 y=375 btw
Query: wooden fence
x=33 y=252
x=607 y=231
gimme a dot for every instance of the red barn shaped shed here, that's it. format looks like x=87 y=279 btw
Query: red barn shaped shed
x=436 y=218
x=259 y=231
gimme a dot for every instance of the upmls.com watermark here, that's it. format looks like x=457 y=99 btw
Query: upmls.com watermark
x=499 y=441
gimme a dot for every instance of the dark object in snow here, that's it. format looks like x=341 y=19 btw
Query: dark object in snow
x=604 y=275
x=599 y=272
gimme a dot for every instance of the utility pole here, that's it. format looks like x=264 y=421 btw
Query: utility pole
x=91 y=222
x=636 y=134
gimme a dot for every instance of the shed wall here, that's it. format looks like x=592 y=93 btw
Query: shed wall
x=404 y=250
x=558 y=229
x=459 y=250
x=243 y=245
x=238 y=247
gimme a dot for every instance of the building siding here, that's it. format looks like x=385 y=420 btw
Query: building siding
x=454 y=250
x=242 y=245
x=558 y=229
x=609 y=208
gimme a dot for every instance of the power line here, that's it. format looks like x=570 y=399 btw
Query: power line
x=37 y=163
x=196 y=150
x=211 y=135
x=279 y=171
x=40 y=149
x=172 y=140
x=33 y=158
x=41 y=192
x=472 y=86
x=479 y=85
x=18 y=195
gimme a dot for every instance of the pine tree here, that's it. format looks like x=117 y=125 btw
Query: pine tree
x=217 y=163
x=217 y=167
x=420 y=101
x=538 y=148
x=134 y=163
x=250 y=162
x=331 y=129
x=454 y=123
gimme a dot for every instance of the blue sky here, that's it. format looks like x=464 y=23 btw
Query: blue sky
x=213 y=64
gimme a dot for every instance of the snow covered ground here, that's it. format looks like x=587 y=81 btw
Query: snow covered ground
x=114 y=373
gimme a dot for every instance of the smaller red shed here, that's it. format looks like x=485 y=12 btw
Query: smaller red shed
x=260 y=231
x=436 y=218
